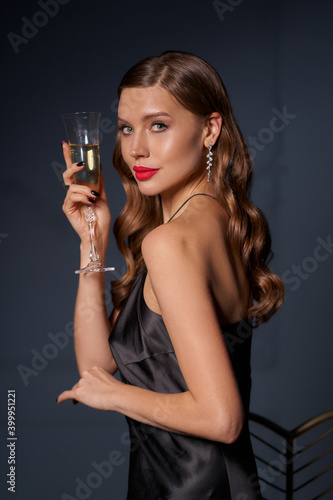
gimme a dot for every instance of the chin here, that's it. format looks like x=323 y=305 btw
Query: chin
x=148 y=188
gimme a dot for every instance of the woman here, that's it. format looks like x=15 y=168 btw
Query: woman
x=196 y=251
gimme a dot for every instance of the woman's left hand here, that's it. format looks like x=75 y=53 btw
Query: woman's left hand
x=94 y=389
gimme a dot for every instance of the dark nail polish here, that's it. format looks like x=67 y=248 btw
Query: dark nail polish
x=95 y=193
x=92 y=201
x=80 y=164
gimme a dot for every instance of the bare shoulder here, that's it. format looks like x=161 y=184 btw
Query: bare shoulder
x=195 y=249
x=190 y=240
x=166 y=241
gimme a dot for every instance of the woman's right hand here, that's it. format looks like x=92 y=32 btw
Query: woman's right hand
x=77 y=199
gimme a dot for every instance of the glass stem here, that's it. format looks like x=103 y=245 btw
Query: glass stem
x=90 y=218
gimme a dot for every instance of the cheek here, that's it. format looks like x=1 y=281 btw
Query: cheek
x=178 y=148
x=191 y=151
x=167 y=148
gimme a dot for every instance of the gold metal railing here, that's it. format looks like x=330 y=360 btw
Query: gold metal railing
x=294 y=464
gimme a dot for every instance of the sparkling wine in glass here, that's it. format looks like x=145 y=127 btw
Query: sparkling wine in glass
x=83 y=137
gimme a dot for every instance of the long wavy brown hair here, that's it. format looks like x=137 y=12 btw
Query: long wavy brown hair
x=198 y=87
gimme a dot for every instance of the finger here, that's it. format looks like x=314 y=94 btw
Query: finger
x=83 y=190
x=73 y=206
x=68 y=175
x=65 y=396
x=67 y=154
x=73 y=197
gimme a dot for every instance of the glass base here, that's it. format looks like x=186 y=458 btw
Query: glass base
x=94 y=267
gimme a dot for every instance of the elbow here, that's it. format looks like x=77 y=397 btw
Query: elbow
x=229 y=426
x=231 y=434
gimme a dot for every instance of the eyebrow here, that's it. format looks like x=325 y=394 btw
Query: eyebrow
x=148 y=117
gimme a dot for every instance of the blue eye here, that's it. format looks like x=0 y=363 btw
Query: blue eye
x=159 y=126
x=125 y=129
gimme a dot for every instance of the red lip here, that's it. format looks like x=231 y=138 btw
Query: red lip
x=144 y=173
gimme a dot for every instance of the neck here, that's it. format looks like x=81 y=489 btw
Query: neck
x=174 y=198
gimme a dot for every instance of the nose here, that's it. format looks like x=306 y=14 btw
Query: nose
x=139 y=146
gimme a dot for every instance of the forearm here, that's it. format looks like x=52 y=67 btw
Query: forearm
x=180 y=413
x=91 y=322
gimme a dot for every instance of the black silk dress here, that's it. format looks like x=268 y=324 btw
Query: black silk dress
x=166 y=465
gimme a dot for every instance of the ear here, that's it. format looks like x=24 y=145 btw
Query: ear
x=212 y=129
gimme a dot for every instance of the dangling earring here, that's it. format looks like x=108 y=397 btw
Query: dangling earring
x=209 y=157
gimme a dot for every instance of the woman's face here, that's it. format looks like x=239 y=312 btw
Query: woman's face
x=161 y=141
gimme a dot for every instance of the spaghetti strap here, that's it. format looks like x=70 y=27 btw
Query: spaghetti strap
x=188 y=199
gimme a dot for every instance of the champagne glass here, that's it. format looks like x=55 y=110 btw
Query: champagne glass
x=83 y=137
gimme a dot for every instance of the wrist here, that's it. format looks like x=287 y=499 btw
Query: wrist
x=115 y=396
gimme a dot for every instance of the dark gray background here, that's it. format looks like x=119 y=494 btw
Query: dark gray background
x=272 y=56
